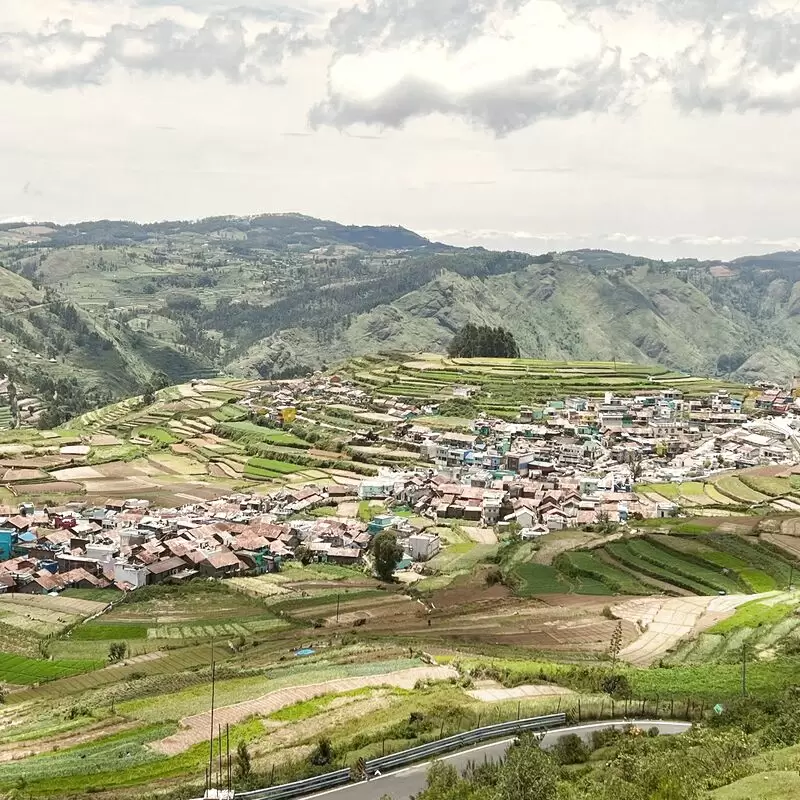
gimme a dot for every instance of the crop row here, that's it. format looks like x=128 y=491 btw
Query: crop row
x=622 y=552
x=589 y=565
x=680 y=564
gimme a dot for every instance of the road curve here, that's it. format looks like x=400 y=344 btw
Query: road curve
x=408 y=781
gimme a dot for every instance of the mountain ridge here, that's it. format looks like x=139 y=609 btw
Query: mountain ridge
x=281 y=294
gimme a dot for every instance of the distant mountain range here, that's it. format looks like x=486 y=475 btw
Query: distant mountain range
x=279 y=294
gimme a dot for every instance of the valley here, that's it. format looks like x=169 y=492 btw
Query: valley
x=233 y=522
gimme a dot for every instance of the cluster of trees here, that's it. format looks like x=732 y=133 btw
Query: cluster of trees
x=483 y=341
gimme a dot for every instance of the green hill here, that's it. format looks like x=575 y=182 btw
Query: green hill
x=277 y=295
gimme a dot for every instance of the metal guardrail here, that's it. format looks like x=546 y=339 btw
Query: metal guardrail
x=342 y=776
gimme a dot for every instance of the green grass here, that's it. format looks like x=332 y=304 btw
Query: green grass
x=757 y=580
x=273 y=466
x=714 y=682
x=540 y=579
x=767 y=785
x=753 y=615
x=159 y=435
x=96 y=631
x=269 y=435
x=98 y=595
x=22 y=670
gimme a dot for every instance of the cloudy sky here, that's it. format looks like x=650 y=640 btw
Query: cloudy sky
x=662 y=127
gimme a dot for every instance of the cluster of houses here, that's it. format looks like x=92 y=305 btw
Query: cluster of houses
x=127 y=544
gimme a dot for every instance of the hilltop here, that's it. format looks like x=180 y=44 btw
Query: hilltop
x=282 y=294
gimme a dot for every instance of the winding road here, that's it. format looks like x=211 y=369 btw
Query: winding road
x=404 y=783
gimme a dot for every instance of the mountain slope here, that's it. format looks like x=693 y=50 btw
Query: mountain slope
x=276 y=295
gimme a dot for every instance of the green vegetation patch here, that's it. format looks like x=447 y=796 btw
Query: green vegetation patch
x=96 y=631
x=588 y=565
x=159 y=435
x=753 y=615
x=22 y=670
x=272 y=466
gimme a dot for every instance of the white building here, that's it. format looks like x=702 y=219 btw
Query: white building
x=423 y=546
x=132 y=574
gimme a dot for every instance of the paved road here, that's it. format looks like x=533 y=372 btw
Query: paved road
x=406 y=782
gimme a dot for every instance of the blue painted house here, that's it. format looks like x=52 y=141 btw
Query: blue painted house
x=8 y=537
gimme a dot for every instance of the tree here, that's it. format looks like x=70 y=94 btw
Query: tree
x=322 y=753
x=243 y=764
x=528 y=774
x=386 y=552
x=117 y=651
x=634 y=459
x=616 y=644
x=473 y=341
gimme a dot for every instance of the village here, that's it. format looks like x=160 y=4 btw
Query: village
x=573 y=463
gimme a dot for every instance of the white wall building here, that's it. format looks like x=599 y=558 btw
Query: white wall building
x=423 y=546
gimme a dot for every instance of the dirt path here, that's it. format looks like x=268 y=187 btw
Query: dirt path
x=194 y=729
x=665 y=621
x=491 y=692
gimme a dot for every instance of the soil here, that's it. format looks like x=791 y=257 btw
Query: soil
x=664 y=622
x=194 y=729
x=17 y=750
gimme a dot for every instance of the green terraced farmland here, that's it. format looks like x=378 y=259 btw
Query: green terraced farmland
x=672 y=562
x=21 y=670
x=623 y=553
x=732 y=487
x=588 y=565
x=756 y=555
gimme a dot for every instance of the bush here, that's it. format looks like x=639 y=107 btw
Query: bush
x=323 y=753
x=117 y=651
x=616 y=686
x=570 y=749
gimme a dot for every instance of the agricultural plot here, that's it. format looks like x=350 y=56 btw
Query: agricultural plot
x=44 y=616
x=505 y=383
x=16 y=669
x=732 y=487
x=585 y=565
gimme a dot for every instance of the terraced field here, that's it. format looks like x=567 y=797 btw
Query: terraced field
x=735 y=492
x=707 y=564
x=505 y=383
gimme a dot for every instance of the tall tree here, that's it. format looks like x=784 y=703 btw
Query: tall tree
x=386 y=552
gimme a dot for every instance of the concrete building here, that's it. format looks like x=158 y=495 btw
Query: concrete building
x=423 y=546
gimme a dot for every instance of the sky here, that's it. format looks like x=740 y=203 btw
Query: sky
x=666 y=128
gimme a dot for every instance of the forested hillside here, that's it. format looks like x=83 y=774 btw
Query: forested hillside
x=277 y=295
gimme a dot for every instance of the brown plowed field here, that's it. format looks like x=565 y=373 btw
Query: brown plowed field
x=789 y=544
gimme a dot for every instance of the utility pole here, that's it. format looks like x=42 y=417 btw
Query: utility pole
x=211 y=735
x=791 y=575
x=337 y=608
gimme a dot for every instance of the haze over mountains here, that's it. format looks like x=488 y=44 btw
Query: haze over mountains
x=278 y=295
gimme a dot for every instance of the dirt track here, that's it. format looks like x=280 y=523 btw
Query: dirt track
x=194 y=729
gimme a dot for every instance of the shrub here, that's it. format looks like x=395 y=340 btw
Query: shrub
x=616 y=686
x=570 y=749
x=323 y=753
x=117 y=651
